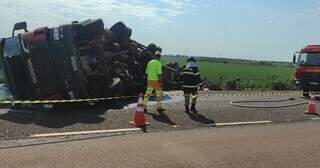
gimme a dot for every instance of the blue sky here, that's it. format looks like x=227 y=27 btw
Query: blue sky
x=247 y=29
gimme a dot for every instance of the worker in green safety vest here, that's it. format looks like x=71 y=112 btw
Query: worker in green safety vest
x=154 y=77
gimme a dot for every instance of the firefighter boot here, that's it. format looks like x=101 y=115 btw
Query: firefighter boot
x=187 y=109
x=193 y=109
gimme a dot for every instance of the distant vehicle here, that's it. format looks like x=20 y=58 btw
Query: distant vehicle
x=307 y=75
x=72 y=61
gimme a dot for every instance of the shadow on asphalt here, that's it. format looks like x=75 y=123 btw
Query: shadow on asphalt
x=314 y=114
x=65 y=115
x=162 y=117
x=201 y=118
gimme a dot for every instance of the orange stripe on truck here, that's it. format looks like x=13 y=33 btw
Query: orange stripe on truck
x=312 y=70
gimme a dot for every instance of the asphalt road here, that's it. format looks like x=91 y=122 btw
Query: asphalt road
x=213 y=108
x=294 y=145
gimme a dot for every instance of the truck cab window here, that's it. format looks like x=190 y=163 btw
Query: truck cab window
x=302 y=58
x=311 y=59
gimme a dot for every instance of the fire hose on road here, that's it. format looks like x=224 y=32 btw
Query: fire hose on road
x=239 y=103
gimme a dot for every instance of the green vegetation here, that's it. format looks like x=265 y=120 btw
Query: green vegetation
x=243 y=74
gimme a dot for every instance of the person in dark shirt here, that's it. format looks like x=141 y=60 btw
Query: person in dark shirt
x=191 y=80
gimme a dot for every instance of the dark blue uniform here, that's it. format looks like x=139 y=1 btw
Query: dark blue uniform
x=191 y=80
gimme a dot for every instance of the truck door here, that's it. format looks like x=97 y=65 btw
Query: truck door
x=14 y=68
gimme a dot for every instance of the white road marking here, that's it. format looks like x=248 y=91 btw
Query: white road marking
x=3 y=111
x=84 y=132
x=240 y=123
x=138 y=129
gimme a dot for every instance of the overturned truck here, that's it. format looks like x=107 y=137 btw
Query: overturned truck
x=77 y=60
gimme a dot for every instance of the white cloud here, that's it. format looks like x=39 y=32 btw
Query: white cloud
x=176 y=4
x=156 y=11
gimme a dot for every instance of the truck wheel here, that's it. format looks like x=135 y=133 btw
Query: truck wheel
x=121 y=31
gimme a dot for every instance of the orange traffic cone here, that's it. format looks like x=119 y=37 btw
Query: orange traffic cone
x=312 y=105
x=139 y=117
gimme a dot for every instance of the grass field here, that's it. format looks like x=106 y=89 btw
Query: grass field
x=250 y=75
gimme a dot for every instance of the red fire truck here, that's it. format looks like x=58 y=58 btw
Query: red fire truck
x=307 y=75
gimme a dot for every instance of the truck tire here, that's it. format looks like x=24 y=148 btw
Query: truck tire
x=121 y=31
x=91 y=27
